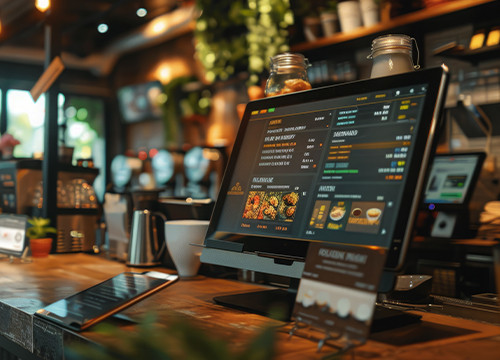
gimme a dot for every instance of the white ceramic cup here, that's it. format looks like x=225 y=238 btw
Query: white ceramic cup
x=369 y=12
x=349 y=15
x=329 y=23
x=182 y=236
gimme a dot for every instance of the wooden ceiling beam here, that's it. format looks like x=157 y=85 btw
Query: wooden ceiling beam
x=21 y=27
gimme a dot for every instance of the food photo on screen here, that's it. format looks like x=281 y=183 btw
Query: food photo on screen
x=272 y=205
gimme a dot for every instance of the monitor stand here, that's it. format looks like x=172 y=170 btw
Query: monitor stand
x=275 y=303
x=278 y=304
x=451 y=224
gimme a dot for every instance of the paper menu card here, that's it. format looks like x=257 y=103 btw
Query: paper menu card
x=338 y=289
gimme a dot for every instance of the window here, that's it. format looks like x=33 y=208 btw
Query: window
x=83 y=129
x=25 y=120
x=81 y=124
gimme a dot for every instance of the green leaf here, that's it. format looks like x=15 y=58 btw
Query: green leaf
x=180 y=340
x=39 y=228
x=261 y=347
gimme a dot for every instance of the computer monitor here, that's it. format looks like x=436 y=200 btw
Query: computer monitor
x=342 y=164
x=451 y=182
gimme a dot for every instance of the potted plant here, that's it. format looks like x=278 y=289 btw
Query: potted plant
x=309 y=12
x=40 y=242
x=329 y=17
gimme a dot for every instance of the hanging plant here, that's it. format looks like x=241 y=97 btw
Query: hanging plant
x=220 y=36
x=233 y=36
x=181 y=103
x=267 y=22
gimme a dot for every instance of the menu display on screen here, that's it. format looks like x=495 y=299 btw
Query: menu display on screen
x=342 y=164
x=324 y=170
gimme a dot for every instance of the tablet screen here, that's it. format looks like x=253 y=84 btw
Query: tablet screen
x=98 y=302
x=452 y=180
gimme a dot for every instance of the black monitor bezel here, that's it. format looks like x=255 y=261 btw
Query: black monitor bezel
x=283 y=249
x=464 y=205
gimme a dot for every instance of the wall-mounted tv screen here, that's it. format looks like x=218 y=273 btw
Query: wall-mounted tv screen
x=140 y=102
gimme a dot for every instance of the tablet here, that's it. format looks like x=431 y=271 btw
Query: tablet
x=452 y=180
x=88 y=307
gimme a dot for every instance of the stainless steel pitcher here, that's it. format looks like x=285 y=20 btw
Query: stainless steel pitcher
x=146 y=247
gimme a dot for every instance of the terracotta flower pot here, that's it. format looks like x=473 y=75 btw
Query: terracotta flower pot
x=40 y=247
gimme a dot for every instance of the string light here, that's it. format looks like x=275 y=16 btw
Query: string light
x=102 y=28
x=141 y=12
x=42 y=5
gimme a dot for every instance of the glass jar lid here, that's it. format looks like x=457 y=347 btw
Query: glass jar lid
x=289 y=60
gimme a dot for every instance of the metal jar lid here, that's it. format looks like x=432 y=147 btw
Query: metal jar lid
x=289 y=60
x=393 y=43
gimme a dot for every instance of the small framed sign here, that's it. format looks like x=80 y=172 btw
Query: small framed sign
x=13 y=234
x=338 y=289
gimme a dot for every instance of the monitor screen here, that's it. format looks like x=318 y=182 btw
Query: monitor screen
x=13 y=234
x=342 y=164
x=140 y=102
x=452 y=179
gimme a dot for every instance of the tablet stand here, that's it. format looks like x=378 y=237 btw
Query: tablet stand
x=339 y=341
x=25 y=259
x=450 y=224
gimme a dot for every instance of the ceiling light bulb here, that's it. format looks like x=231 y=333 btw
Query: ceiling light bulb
x=42 y=5
x=141 y=12
x=102 y=28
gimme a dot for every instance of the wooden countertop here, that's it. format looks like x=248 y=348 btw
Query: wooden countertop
x=26 y=287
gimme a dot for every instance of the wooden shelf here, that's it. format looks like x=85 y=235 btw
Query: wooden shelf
x=400 y=21
x=472 y=56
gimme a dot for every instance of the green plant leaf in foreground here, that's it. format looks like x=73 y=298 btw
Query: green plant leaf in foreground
x=179 y=340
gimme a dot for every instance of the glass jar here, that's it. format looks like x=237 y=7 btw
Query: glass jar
x=288 y=74
x=392 y=54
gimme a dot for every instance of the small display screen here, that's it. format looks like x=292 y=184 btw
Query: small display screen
x=12 y=234
x=452 y=178
x=140 y=102
x=87 y=307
